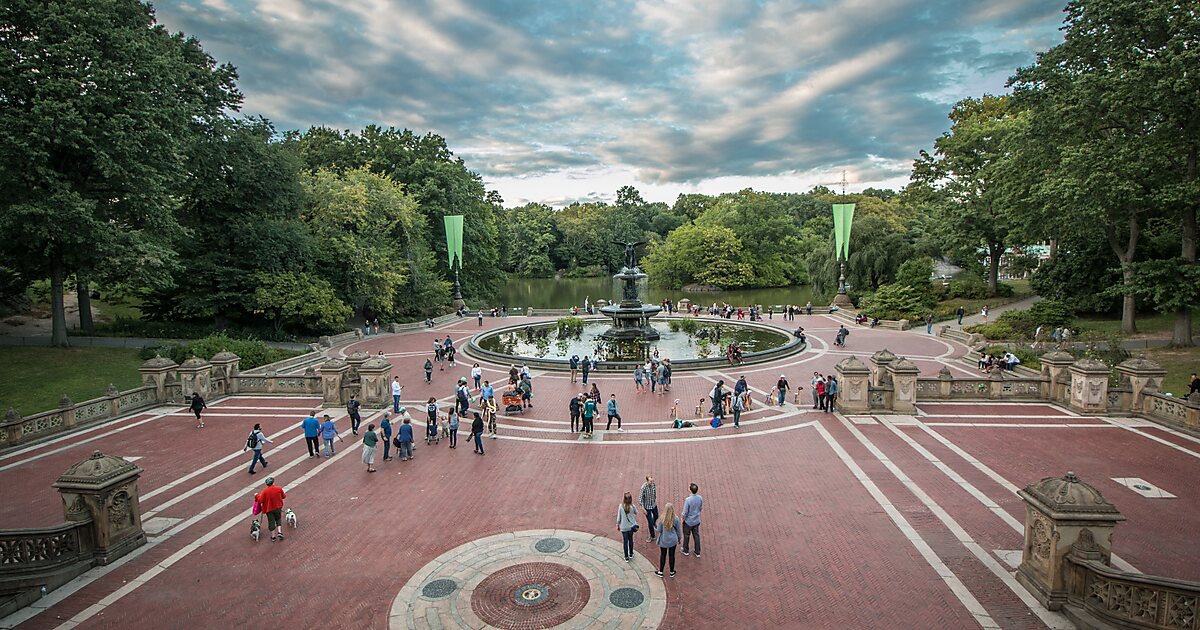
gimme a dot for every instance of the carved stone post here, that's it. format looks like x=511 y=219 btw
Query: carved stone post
x=374 y=374
x=945 y=380
x=996 y=383
x=332 y=374
x=1089 y=386
x=854 y=379
x=155 y=372
x=195 y=377
x=312 y=382
x=355 y=361
x=1060 y=511
x=904 y=383
x=1056 y=366
x=225 y=370
x=1143 y=376
x=67 y=407
x=114 y=395
x=879 y=362
x=104 y=489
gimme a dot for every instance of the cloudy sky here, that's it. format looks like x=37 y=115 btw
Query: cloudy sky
x=563 y=100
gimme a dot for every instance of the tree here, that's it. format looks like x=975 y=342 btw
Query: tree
x=699 y=254
x=759 y=219
x=877 y=249
x=962 y=168
x=99 y=105
x=531 y=234
x=917 y=274
x=298 y=299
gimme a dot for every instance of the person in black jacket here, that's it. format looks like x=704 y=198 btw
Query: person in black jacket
x=352 y=408
x=576 y=408
x=198 y=405
x=477 y=432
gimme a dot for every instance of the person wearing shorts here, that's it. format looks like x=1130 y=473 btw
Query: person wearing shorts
x=271 y=498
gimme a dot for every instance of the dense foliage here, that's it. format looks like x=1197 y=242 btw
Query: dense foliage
x=251 y=352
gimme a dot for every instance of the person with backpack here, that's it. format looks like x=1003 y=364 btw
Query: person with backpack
x=352 y=408
x=462 y=396
x=254 y=442
x=197 y=406
x=574 y=363
x=328 y=432
x=428 y=370
x=587 y=369
x=526 y=389
x=312 y=432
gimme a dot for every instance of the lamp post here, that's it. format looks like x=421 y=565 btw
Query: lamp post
x=454 y=251
x=843 y=218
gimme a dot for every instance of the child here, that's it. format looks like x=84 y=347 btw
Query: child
x=674 y=411
x=772 y=396
x=700 y=407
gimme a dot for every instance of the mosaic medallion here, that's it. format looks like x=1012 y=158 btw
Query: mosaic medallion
x=533 y=580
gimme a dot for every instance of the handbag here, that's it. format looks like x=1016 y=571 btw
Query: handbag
x=634 y=528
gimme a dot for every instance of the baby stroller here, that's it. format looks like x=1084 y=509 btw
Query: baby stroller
x=512 y=401
x=432 y=436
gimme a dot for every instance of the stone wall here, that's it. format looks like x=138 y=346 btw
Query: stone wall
x=15 y=429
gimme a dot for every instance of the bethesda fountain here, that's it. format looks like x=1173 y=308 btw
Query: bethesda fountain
x=630 y=317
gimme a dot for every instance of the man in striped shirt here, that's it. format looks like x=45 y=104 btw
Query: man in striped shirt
x=648 y=499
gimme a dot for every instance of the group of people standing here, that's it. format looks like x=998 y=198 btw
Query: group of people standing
x=667 y=531
x=655 y=373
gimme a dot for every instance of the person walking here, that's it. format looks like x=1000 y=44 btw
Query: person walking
x=489 y=417
x=312 y=432
x=428 y=370
x=739 y=405
x=486 y=393
x=369 y=441
x=328 y=432
x=197 y=406
x=476 y=374
x=589 y=413
x=612 y=413
x=576 y=408
x=385 y=433
x=271 y=499
x=254 y=442
x=984 y=312
x=352 y=407
x=452 y=427
x=574 y=366
x=396 y=390
x=405 y=436
x=662 y=378
x=477 y=432
x=526 y=389
x=781 y=387
x=691 y=518
x=638 y=376
x=587 y=368
x=929 y=324
x=668 y=539
x=648 y=499
x=960 y=311
x=627 y=524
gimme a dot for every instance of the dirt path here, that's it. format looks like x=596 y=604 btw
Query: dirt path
x=37 y=322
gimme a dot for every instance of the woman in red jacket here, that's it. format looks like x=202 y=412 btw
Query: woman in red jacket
x=271 y=498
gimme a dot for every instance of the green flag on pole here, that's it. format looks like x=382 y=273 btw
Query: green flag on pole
x=843 y=218
x=454 y=238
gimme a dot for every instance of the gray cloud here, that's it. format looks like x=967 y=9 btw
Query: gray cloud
x=673 y=90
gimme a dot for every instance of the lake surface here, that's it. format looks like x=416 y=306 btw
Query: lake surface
x=520 y=293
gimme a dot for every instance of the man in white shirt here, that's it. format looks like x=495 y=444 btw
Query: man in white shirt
x=396 y=389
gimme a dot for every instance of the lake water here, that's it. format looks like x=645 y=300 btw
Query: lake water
x=521 y=293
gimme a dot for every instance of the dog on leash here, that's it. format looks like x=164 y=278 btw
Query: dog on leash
x=289 y=517
x=255 y=530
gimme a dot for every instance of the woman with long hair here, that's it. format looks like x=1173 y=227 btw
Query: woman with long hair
x=627 y=524
x=668 y=538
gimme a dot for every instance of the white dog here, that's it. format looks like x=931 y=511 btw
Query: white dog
x=255 y=530
x=289 y=517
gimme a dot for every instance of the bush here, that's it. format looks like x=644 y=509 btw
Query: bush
x=127 y=327
x=1028 y=357
x=252 y=352
x=569 y=326
x=897 y=301
x=995 y=331
x=685 y=325
x=1052 y=313
x=967 y=286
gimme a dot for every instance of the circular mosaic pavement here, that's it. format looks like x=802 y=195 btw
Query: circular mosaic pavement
x=533 y=580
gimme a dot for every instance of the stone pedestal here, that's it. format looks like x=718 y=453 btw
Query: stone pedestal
x=879 y=362
x=1056 y=366
x=225 y=372
x=1089 y=386
x=195 y=377
x=155 y=372
x=332 y=374
x=854 y=379
x=842 y=301
x=1142 y=376
x=1060 y=512
x=355 y=361
x=104 y=489
x=904 y=374
x=374 y=374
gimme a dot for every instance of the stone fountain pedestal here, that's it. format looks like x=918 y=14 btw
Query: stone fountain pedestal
x=631 y=318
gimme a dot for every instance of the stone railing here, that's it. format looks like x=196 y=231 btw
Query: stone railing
x=1176 y=412
x=1099 y=593
x=308 y=383
x=290 y=364
x=849 y=314
x=43 y=556
x=955 y=388
x=437 y=321
x=15 y=429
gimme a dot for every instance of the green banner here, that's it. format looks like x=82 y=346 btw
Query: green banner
x=843 y=218
x=454 y=238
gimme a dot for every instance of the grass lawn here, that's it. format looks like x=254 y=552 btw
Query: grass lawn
x=127 y=308
x=1179 y=364
x=33 y=379
x=1148 y=325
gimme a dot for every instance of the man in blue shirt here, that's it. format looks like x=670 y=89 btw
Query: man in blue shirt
x=312 y=429
x=487 y=393
x=691 y=518
x=385 y=428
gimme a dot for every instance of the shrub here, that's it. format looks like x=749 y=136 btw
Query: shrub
x=569 y=326
x=897 y=301
x=1028 y=357
x=128 y=327
x=252 y=352
x=1052 y=313
x=968 y=286
x=686 y=325
x=995 y=331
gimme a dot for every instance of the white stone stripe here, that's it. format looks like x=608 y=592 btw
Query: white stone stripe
x=956 y=585
x=1117 y=561
x=1054 y=620
x=1021 y=425
x=697 y=438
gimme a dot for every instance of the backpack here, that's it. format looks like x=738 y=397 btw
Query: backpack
x=252 y=440
x=716 y=421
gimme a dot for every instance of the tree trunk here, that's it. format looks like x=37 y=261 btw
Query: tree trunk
x=85 y=304
x=58 y=317
x=1128 y=303
x=1125 y=255
x=995 y=251
x=1182 y=334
